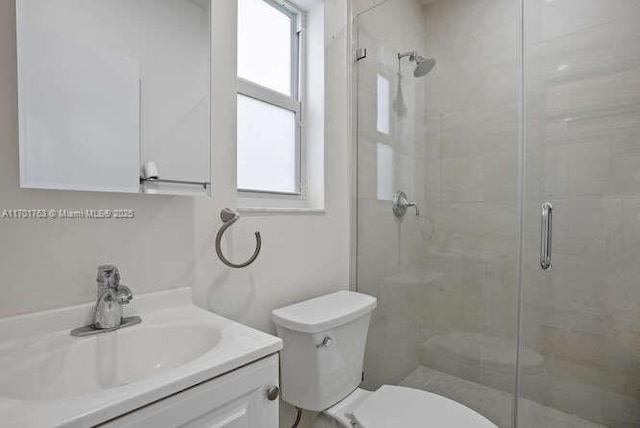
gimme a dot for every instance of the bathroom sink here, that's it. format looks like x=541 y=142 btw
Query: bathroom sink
x=65 y=366
x=52 y=379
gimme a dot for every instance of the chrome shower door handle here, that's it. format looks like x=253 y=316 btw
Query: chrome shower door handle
x=545 y=238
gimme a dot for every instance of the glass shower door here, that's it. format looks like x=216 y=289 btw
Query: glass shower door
x=581 y=316
x=445 y=271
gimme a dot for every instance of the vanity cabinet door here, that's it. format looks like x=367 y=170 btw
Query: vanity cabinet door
x=235 y=400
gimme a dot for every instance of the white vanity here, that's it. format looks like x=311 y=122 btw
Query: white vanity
x=181 y=366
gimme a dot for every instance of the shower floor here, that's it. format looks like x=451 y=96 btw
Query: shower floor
x=492 y=403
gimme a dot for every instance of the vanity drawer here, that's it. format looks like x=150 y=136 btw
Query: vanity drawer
x=234 y=400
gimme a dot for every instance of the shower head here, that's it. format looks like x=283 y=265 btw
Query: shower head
x=423 y=65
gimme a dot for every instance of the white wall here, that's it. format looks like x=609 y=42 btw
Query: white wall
x=51 y=263
x=304 y=254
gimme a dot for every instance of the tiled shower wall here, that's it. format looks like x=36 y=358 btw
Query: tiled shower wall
x=583 y=142
x=454 y=269
x=472 y=166
x=391 y=156
x=582 y=119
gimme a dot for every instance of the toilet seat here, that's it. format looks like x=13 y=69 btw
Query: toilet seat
x=397 y=406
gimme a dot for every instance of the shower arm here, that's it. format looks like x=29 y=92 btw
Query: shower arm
x=410 y=54
x=412 y=57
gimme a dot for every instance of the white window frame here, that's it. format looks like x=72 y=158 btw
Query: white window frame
x=292 y=103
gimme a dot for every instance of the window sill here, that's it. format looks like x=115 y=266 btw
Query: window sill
x=280 y=210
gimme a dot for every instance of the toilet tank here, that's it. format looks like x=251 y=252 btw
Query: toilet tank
x=324 y=341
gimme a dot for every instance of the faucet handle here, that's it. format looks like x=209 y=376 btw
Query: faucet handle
x=401 y=203
x=108 y=276
x=123 y=295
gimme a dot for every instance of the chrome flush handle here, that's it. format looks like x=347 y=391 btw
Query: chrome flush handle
x=326 y=342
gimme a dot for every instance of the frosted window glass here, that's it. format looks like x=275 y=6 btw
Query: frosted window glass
x=266 y=147
x=385 y=172
x=264 y=45
x=384 y=101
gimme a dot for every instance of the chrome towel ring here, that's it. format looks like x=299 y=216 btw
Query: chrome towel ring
x=229 y=217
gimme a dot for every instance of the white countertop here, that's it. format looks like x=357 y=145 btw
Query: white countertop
x=44 y=337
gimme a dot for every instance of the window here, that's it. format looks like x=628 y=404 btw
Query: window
x=269 y=105
x=385 y=159
x=383 y=105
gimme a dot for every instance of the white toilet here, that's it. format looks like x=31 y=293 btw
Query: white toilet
x=321 y=369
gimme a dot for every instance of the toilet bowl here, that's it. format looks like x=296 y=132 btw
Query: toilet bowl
x=321 y=370
x=397 y=406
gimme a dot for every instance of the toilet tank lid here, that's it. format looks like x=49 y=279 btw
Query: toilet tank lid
x=324 y=312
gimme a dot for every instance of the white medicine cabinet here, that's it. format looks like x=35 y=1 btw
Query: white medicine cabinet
x=114 y=95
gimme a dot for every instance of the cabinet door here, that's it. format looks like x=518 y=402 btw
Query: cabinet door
x=235 y=400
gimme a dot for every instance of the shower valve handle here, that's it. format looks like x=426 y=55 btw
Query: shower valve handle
x=401 y=204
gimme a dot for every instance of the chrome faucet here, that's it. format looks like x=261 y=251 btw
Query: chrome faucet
x=107 y=312
x=112 y=296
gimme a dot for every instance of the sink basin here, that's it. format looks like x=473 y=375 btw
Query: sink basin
x=52 y=379
x=64 y=366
